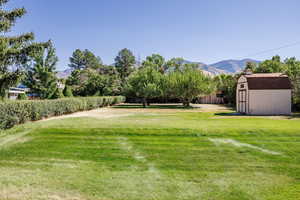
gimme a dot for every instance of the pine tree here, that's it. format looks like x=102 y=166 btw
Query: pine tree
x=41 y=76
x=84 y=59
x=14 y=50
x=125 y=64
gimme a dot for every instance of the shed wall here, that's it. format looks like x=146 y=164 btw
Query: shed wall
x=270 y=102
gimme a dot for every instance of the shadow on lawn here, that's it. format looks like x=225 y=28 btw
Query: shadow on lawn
x=293 y=116
x=160 y=106
x=229 y=114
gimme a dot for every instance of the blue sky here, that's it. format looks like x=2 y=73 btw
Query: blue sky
x=198 y=30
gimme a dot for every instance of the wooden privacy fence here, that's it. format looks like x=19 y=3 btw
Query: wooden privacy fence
x=210 y=99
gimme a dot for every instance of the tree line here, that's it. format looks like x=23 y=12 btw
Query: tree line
x=153 y=78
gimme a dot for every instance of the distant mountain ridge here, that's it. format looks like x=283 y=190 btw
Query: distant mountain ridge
x=223 y=67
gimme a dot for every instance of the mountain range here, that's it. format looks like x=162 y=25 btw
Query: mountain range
x=222 y=67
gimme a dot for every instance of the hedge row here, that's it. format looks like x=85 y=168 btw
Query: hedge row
x=18 y=112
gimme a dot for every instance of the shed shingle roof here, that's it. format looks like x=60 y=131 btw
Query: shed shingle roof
x=268 y=81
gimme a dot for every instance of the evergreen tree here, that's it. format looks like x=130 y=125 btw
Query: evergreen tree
x=84 y=59
x=124 y=63
x=68 y=91
x=14 y=50
x=41 y=76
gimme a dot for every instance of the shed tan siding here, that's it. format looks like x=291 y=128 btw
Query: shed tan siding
x=270 y=102
x=264 y=94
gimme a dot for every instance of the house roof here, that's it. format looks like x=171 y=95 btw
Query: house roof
x=268 y=81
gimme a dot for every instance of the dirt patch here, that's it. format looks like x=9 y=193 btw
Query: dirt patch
x=101 y=113
x=115 y=112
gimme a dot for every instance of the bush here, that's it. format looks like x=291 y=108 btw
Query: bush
x=68 y=91
x=58 y=94
x=22 y=97
x=18 y=112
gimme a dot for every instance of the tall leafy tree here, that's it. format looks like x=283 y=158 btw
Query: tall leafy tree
x=41 y=76
x=156 y=61
x=89 y=82
x=14 y=50
x=226 y=83
x=250 y=66
x=124 y=63
x=174 y=64
x=188 y=84
x=271 y=66
x=292 y=69
x=145 y=84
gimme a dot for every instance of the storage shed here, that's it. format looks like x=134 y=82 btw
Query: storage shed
x=264 y=94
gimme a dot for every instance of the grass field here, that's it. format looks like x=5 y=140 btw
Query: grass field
x=163 y=153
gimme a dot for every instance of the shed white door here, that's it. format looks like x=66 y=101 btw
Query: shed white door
x=242 y=101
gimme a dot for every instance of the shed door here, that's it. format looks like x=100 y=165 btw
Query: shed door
x=242 y=104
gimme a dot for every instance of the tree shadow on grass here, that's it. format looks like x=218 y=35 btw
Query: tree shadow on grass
x=155 y=106
x=232 y=114
x=295 y=115
x=229 y=114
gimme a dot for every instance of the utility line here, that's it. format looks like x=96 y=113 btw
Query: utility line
x=261 y=52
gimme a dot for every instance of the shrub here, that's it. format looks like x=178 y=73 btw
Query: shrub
x=68 y=91
x=58 y=94
x=17 y=112
x=22 y=96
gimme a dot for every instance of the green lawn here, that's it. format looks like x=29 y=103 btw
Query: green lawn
x=162 y=153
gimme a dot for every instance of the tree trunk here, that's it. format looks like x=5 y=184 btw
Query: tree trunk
x=145 y=103
x=186 y=103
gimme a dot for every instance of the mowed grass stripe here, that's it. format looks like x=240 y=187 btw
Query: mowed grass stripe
x=153 y=157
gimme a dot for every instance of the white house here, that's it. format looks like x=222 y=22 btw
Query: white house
x=14 y=92
x=264 y=94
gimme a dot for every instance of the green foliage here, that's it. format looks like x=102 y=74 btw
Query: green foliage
x=124 y=63
x=58 y=94
x=84 y=59
x=17 y=112
x=22 y=96
x=174 y=64
x=188 y=84
x=227 y=84
x=74 y=78
x=156 y=61
x=14 y=50
x=88 y=82
x=96 y=83
x=41 y=76
x=270 y=66
x=292 y=69
x=145 y=83
x=250 y=66
x=68 y=91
